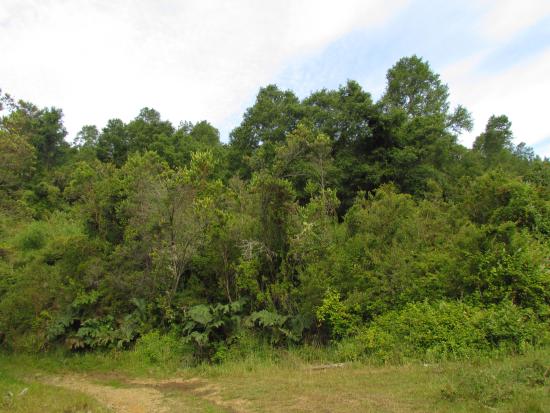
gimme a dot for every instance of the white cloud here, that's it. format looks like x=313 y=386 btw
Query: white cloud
x=520 y=92
x=505 y=18
x=191 y=60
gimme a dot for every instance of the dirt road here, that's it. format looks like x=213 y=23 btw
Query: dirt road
x=149 y=396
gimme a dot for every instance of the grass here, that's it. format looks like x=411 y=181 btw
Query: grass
x=508 y=384
x=27 y=395
x=275 y=381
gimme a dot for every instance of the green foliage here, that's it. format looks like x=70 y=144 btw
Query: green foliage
x=335 y=316
x=265 y=124
x=495 y=198
x=42 y=128
x=17 y=161
x=93 y=333
x=158 y=348
x=207 y=326
x=80 y=329
x=392 y=251
x=272 y=325
x=496 y=139
x=33 y=238
x=332 y=217
x=414 y=88
x=485 y=386
x=502 y=263
x=449 y=330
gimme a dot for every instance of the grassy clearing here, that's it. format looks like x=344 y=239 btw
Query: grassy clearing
x=20 y=394
x=283 y=381
x=508 y=384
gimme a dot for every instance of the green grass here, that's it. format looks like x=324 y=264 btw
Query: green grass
x=274 y=381
x=507 y=384
x=27 y=395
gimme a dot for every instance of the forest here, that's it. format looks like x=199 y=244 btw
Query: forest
x=333 y=220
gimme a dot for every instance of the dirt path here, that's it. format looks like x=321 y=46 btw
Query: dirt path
x=147 y=396
x=121 y=400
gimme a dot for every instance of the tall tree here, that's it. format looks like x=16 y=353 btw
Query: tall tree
x=17 y=160
x=146 y=130
x=87 y=137
x=413 y=87
x=496 y=138
x=43 y=129
x=274 y=114
x=113 y=143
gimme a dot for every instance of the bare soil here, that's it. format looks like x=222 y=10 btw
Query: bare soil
x=147 y=396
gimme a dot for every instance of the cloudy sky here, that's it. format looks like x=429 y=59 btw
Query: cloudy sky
x=206 y=59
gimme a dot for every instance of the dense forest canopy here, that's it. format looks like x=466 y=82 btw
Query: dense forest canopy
x=323 y=218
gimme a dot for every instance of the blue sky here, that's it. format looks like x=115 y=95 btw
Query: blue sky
x=443 y=35
x=206 y=59
x=366 y=54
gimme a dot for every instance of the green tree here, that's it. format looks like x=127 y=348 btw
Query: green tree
x=87 y=137
x=43 y=129
x=147 y=130
x=496 y=140
x=274 y=114
x=17 y=161
x=413 y=87
x=305 y=158
x=352 y=122
x=113 y=143
x=166 y=213
x=199 y=137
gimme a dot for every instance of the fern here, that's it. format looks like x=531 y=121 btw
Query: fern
x=201 y=314
x=268 y=319
x=272 y=325
x=208 y=325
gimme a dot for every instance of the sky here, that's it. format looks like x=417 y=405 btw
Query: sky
x=204 y=59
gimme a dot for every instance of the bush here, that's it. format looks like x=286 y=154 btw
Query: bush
x=272 y=326
x=491 y=385
x=157 y=348
x=508 y=326
x=210 y=328
x=335 y=316
x=33 y=237
x=447 y=330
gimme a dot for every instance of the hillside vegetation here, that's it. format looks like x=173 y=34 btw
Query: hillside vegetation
x=334 y=221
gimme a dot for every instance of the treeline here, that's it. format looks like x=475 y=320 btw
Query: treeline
x=329 y=219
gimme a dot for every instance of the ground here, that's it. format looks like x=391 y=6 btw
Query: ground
x=507 y=384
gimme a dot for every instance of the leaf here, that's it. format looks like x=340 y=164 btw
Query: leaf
x=189 y=326
x=85 y=298
x=268 y=319
x=237 y=306
x=200 y=338
x=60 y=325
x=201 y=314
x=217 y=324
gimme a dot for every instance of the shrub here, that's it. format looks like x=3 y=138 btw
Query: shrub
x=491 y=385
x=506 y=325
x=272 y=326
x=33 y=237
x=449 y=330
x=157 y=348
x=335 y=316
x=207 y=327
